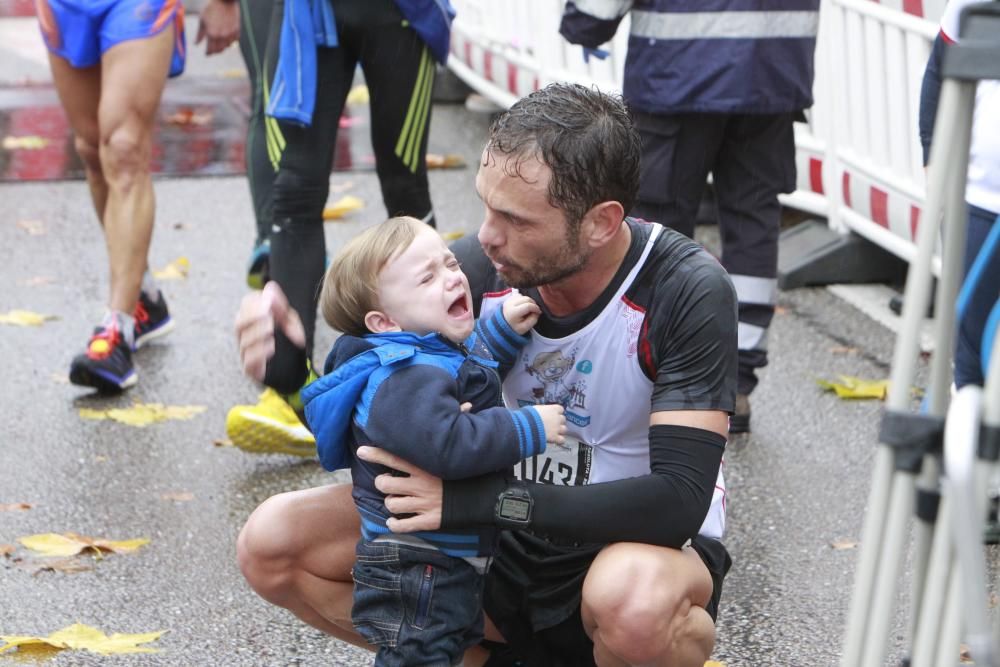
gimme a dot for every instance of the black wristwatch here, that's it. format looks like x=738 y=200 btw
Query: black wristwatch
x=513 y=508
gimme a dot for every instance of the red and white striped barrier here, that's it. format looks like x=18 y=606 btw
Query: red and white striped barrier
x=858 y=156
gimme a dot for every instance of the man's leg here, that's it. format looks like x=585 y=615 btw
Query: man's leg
x=755 y=164
x=297 y=550
x=133 y=76
x=259 y=20
x=80 y=92
x=645 y=605
x=399 y=71
x=677 y=154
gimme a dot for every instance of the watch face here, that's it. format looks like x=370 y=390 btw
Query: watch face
x=514 y=509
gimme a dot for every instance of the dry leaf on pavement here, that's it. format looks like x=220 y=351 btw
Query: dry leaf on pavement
x=33 y=227
x=84 y=637
x=70 y=544
x=25 y=318
x=841 y=545
x=342 y=207
x=358 y=95
x=855 y=387
x=143 y=414
x=179 y=496
x=188 y=116
x=448 y=161
x=6 y=549
x=36 y=281
x=29 y=142
x=65 y=565
x=175 y=270
x=11 y=507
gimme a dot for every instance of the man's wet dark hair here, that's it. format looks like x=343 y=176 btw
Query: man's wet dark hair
x=584 y=136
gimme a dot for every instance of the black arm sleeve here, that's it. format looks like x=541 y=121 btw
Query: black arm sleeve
x=666 y=507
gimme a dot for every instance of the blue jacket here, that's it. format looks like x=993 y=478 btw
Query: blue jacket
x=402 y=392
x=309 y=24
x=717 y=56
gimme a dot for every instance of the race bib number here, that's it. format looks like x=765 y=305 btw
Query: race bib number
x=567 y=464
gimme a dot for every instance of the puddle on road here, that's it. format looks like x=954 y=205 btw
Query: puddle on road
x=201 y=131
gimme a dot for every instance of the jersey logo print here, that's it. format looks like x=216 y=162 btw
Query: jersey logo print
x=550 y=369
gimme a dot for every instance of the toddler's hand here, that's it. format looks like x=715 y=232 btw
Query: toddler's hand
x=521 y=313
x=554 y=419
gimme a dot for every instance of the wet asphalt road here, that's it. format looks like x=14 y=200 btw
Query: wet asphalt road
x=797 y=485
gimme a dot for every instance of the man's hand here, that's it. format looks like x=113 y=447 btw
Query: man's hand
x=420 y=494
x=256 y=321
x=219 y=25
x=521 y=313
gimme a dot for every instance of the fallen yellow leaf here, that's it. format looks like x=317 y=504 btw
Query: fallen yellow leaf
x=179 y=496
x=25 y=318
x=855 y=387
x=84 y=637
x=358 y=95
x=713 y=663
x=451 y=236
x=30 y=142
x=175 y=270
x=70 y=544
x=233 y=73
x=342 y=207
x=449 y=161
x=223 y=442
x=144 y=414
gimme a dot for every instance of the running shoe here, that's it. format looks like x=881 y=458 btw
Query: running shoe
x=152 y=319
x=270 y=427
x=107 y=363
x=258 y=269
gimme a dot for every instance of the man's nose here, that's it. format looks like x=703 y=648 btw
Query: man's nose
x=490 y=234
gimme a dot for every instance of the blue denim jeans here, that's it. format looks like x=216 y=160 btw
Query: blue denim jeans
x=417 y=606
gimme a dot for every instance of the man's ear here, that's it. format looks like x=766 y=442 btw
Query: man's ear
x=602 y=222
x=378 y=322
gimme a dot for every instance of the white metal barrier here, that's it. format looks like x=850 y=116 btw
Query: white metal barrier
x=858 y=156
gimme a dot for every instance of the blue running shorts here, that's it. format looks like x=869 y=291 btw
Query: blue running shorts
x=82 y=30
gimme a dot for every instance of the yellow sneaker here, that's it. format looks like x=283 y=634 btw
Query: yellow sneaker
x=270 y=427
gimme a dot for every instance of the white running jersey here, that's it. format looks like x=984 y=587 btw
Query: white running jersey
x=595 y=374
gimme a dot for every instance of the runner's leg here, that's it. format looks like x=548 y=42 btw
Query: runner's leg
x=297 y=550
x=298 y=246
x=399 y=71
x=133 y=75
x=80 y=92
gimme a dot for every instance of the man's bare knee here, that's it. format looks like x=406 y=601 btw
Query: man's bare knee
x=124 y=157
x=636 y=598
x=266 y=549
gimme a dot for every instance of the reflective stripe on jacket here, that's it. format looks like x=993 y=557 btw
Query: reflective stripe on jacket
x=718 y=56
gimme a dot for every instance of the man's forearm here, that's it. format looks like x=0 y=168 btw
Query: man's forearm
x=666 y=507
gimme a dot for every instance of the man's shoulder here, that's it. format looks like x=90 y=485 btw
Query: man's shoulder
x=675 y=267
